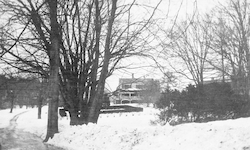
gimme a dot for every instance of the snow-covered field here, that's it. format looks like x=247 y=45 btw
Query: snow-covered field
x=133 y=131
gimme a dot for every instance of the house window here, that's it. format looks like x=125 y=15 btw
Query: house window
x=134 y=94
x=125 y=94
x=127 y=86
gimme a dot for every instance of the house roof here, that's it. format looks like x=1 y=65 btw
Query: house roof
x=133 y=80
x=123 y=81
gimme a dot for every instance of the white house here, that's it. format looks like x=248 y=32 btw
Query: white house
x=130 y=90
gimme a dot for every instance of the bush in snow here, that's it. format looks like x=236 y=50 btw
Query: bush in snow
x=209 y=102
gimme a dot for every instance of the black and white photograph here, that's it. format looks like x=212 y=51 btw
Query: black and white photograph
x=124 y=74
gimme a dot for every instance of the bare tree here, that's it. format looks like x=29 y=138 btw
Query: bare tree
x=231 y=43
x=77 y=44
x=53 y=49
x=190 y=43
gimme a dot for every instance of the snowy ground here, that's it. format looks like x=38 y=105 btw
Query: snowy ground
x=133 y=131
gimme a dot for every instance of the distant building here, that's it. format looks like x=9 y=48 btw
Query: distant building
x=130 y=90
x=214 y=80
x=238 y=85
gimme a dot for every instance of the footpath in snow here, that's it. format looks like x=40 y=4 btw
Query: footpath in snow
x=12 y=138
x=133 y=131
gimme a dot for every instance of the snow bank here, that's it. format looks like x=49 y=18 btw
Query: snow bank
x=134 y=132
x=222 y=135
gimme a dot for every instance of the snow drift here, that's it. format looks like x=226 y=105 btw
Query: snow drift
x=133 y=131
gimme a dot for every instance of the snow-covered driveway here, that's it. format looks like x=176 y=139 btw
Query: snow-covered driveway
x=16 y=139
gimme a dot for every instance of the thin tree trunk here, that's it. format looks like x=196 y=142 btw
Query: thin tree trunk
x=11 y=105
x=222 y=63
x=11 y=96
x=39 y=106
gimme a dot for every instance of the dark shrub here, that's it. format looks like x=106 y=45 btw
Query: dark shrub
x=214 y=101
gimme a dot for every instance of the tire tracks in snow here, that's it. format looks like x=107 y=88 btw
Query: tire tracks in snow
x=12 y=138
x=13 y=123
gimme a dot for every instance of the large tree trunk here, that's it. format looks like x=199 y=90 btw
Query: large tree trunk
x=84 y=112
x=52 y=126
x=96 y=104
x=74 y=117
